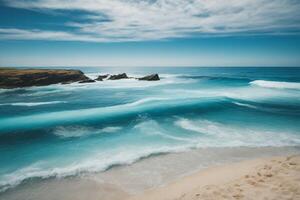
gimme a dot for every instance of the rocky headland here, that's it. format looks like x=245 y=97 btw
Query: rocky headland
x=18 y=78
x=14 y=78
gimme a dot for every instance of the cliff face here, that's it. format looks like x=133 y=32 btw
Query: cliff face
x=13 y=78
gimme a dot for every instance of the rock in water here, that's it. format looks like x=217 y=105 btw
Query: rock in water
x=118 y=76
x=101 y=77
x=87 y=81
x=14 y=78
x=152 y=77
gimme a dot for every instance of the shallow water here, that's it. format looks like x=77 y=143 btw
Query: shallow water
x=64 y=130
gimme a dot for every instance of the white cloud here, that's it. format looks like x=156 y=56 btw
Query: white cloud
x=139 y=20
x=20 y=34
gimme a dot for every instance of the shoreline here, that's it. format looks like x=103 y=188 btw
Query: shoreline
x=129 y=180
x=271 y=178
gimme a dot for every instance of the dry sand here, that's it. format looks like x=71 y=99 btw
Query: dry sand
x=275 y=178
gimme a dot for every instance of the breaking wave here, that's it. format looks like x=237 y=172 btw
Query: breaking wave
x=209 y=134
x=80 y=131
x=217 y=134
x=97 y=163
x=276 y=84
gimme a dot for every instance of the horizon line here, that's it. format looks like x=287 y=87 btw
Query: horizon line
x=169 y=66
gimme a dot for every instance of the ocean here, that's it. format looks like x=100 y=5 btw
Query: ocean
x=74 y=129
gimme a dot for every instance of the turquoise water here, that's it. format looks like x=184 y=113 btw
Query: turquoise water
x=65 y=130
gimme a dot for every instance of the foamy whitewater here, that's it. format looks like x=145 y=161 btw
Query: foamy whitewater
x=68 y=130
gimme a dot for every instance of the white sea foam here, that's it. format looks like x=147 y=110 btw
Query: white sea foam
x=216 y=134
x=152 y=128
x=133 y=83
x=146 y=100
x=165 y=100
x=29 y=104
x=95 y=163
x=111 y=129
x=276 y=84
x=94 y=75
x=201 y=126
x=188 y=125
x=241 y=93
x=80 y=131
x=8 y=90
x=245 y=105
x=212 y=134
x=56 y=118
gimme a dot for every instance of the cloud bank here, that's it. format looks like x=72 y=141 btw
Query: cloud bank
x=144 y=20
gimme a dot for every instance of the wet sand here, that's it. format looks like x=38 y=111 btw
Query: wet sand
x=260 y=179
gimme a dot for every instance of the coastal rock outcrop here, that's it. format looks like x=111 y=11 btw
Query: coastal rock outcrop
x=87 y=81
x=118 y=76
x=14 y=78
x=101 y=77
x=152 y=77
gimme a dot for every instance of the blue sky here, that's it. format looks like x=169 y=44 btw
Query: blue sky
x=149 y=33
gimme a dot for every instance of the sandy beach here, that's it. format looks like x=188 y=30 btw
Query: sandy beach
x=273 y=178
x=237 y=173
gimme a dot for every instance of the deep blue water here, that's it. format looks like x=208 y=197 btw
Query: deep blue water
x=63 y=130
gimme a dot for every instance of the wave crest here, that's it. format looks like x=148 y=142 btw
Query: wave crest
x=212 y=134
x=80 y=131
x=244 y=105
x=30 y=104
x=94 y=164
x=276 y=84
x=215 y=134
